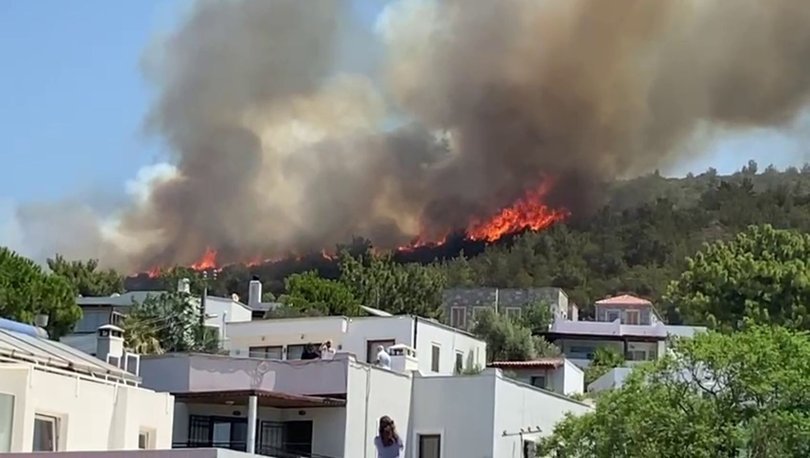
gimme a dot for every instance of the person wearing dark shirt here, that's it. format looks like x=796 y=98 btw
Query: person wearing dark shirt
x=309 y=352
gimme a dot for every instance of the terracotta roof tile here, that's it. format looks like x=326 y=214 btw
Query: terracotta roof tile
x=546 y=363
x=624 y=299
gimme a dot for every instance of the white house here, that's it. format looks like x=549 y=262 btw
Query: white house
x=331 y=408
x=440 y=349
x=100 y=311
x=626 y=324
x=559 y=375
x=56 y=398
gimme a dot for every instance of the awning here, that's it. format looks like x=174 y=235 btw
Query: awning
x=265 y=398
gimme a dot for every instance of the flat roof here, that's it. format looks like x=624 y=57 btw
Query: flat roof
x=37 y=350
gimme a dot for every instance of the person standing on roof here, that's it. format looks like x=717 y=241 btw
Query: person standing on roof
x=383 y=359
x=327 y=351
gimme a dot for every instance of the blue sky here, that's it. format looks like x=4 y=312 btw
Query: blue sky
x=72 y=98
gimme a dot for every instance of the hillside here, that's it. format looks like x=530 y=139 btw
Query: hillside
x=636 y=242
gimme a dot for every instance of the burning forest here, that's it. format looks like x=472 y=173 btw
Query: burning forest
x=292 y=127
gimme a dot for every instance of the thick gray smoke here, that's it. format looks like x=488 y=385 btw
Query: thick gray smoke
x=279 y=150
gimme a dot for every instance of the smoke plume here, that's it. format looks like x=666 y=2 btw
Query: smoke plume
x=279 y=149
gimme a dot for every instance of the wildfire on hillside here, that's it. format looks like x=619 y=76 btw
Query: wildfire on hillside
x=530 y=212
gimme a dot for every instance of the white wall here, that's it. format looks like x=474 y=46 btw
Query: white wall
x=284 y=331
x=450 y=342
x=517 y=406
x=93 y=415
x=362 y=329
x=352 y=335
x=574 y=378
x=233 y=311
x=459 y=408
x=371 y=393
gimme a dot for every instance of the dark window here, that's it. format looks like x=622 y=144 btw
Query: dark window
x=272 y=352
x=45 y=434
x=538 y=380
x=458 y=317
x=435 y=352
x=459 y=362
x=371 y=348
x=430 y=446
x=295 y=351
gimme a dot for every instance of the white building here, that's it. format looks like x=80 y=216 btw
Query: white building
x=440 y=349
x=626 y=324
x=55 y=398
x=100 y=311
x=559 y=375
x=331 y=408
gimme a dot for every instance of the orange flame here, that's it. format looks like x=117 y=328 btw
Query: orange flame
x=207 y=261
x=529 y=212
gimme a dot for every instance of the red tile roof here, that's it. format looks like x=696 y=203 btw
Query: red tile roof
x=545 y=363
x=624 y=299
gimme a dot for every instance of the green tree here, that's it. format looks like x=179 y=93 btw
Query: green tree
x=168 y=322
x=86 y=278
x=509 y=340
x=27 y=291
x=377 y=281
x=763 y=274
x=604 y=359
x=307 y=292
x=719 y=395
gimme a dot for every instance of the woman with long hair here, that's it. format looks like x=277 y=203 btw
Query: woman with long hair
x=388 y=443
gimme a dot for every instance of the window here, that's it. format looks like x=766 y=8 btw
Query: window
x=538 y=380
x=512 y=312
x=636 y=355
x=6 y=421
x=613 y=315
x=459 y=362
x=435 y=353
x=45 y=434
x=580 y=351
x=430 y=446
x=458 y=317
x=272 y=352
x=371 y=348
x=145 y=440
x=295 y=351
x=631 y=317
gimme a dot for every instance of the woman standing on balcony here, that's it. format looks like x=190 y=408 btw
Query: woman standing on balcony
x=388 y=443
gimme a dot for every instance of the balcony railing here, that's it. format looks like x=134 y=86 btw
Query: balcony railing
x=267 y=450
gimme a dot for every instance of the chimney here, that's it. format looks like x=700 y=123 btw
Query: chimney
x=110 y=344
x=403 y=358
x=573 y=315
x=254 y=292
x=184 y=286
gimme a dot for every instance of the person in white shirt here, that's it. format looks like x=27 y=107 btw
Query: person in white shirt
x=327 y=351
x=383 y=359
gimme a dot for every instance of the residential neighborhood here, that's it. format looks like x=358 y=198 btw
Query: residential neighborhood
x=404 y=229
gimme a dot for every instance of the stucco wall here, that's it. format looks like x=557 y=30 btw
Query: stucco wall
x=517 y=406
x=449 y=342
x=460 y=409
x=574 y=378
x=183 y=373
x=372 y=393
x=363 y=329
x=92 y=415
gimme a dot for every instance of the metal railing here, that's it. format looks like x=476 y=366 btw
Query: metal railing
x=288 y=451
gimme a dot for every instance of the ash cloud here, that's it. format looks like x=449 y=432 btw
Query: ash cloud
x=278 y=149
